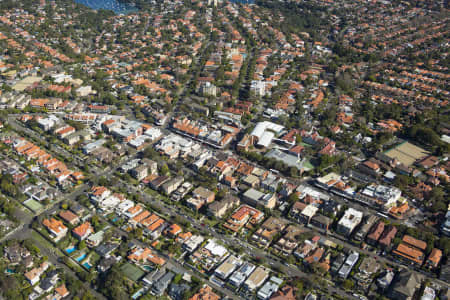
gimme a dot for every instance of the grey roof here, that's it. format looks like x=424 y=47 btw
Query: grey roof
x=407 y=282
x=161 y=285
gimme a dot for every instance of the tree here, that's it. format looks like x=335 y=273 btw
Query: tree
x=348 y=284
x=165 y=169
x=293 y=198
x=82 y=245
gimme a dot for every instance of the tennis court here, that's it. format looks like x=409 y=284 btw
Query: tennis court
x=407 y=153
x=132 y=272
x=33 y=205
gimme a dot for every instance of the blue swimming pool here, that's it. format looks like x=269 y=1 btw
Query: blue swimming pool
x=81 y=257
x=70 y=250
x=137 y=294
x=87 y=265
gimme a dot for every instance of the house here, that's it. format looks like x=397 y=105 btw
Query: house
x=33 y=276
x=160 y=286
x=69 y=217
x=105 y=249
x=106 y=263
x=193 y=242
x=205 y=293
x=177 y=291
x=140 y=255
x=82 y=231
x=346 y=268
x=289 y=241
x=203 y=194
x=314 y=257
x=271 y=286
x=62 y=291
x=219 y=208
x=173 y=230
x=405 y=285
x=244 y=216
x=434 y=259
x=95 y=239
x=56 y=228
x=349 y=221
x=284 y=293
x=264 y=235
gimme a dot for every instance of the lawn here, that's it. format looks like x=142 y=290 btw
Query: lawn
x=132 y=272
x=33 y=205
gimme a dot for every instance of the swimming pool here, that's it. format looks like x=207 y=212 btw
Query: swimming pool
x=70 y=250
x=81 y=257
x=87 y=265
x=147 y=268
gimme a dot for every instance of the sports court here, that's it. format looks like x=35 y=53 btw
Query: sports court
x=407 y=153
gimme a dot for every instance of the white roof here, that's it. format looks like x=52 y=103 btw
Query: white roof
x=216 y=249
x=266 y=139
x=351 y=218
x=309 y=210
x=261 y=127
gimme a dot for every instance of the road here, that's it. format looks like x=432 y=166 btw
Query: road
x=250 y=250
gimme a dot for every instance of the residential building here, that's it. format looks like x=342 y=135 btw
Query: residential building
x=411 y=250
x=346 y=268
x=388 y=236
x=307 y=214
x=434 y=259
x=289 y=241
x=82 y=231
x=256 y=279
x=227 y=267
x=375 y=234
x=69 y=217
x=257 y=198
x=349 y=221
x=321 y=222
x=271 y=286
x=160 y=286
x=139 y=172
x=265 y=234
x=244 y=216
x=241 y=274
x=405 y=285
x=193 y=242
x=219 y=208
x=56 y=228
x=205 y=293
x=172 y=185
x=369 y=222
